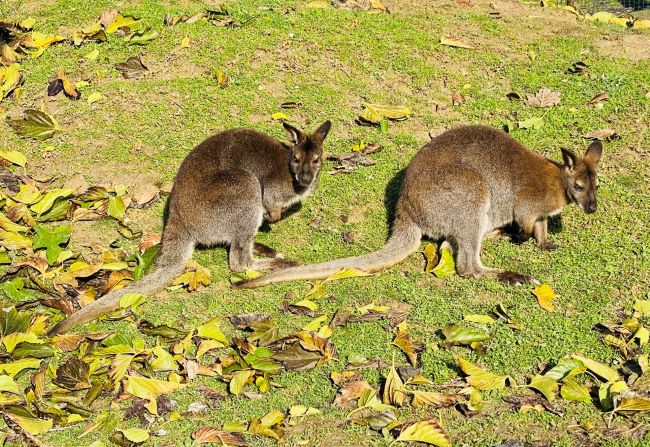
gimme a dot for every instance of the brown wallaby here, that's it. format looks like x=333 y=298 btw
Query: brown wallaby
x=461 y=186
x=223 y=191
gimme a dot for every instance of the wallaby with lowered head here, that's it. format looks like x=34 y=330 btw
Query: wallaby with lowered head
x=225 y=188
x=463 y=185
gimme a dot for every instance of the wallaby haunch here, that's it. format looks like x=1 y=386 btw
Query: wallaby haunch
x=461 y=186
x=223 y=191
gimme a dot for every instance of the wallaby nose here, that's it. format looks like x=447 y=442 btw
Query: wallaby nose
x=591 y=208
x=305 y=179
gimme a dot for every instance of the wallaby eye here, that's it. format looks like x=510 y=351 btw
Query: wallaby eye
x=316 y=159
x=296 y=159
x=579 y=187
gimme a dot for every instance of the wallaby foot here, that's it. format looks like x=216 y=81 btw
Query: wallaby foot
x=273 y=264
x=513 y=278
x=264 y=250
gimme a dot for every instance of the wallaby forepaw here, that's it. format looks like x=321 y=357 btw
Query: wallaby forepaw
x=514 y=278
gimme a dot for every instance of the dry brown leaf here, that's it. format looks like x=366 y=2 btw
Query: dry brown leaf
x=452 y=42
x=545 y=97
x=602 y=135
x=351 y=391
x=149 y=240
x=144 y=195
x=597 y=101
x=457 y=99
x=108 y=17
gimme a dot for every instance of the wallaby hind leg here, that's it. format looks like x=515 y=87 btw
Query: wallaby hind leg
x=241 y=258
x=468 y=257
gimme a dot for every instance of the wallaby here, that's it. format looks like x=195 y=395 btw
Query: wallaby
x=225 y=188
x=463 y=185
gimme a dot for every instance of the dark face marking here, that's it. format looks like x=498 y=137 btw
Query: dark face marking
x=581 y=179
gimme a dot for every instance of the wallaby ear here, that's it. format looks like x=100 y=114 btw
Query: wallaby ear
x=319 y=134
x=294 y=135
x=594 y=151
x=569 y=158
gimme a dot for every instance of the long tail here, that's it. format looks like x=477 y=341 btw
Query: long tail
x=404 y=240
x=170 y=263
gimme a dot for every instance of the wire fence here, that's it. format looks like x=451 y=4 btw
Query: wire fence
x=616 y=6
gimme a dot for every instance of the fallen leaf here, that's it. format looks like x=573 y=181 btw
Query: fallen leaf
x=601 y=135
x=531 y=123
x=545 y=97
x=351 y=391
x=462 y=335
x=428 y=431
x=598 y=100
x=394 y=392
x=574 y=390
x=545 y=296
x=222 y=82
x=73 y=374
x=375 y=113
x=10 y=78
x=15 y=157
x=599 y=369
x=457 y=99
x=94 y=97
x=35 y=124
x=210 y=434
x=446 y=266
x=431 y=257
x=279 y=116
x=132 y=68
x=452 y=42
x=433 y=399
x=546 y=385
x=150 y=389
x=480 y=378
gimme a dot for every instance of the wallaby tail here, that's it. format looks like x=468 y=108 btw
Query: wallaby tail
x=170 y=263
x=404 y=240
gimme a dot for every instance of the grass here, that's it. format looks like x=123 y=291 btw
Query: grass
x=332 y=61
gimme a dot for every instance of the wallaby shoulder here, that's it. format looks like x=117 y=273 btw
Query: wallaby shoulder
x=245 y=149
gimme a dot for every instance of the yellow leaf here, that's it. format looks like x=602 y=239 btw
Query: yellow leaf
x=27 y=23
x=185 y=42
x=641 y=24
x=318 y=4
x=94 y=97
x=480 y=378
x=279 y=116
x=91 y=57
x=122 y=21
x=545 y=297
x=211 y=330
x=13 y=368
x=599 y=369
x=14 y=157
x=31 y=425
x=431 y=256
x=375 y=113
x=150 y=389
x=428 y=431
x=481 y=319
x=350 y=272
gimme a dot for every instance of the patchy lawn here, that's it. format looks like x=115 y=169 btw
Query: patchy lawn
x=331 y=61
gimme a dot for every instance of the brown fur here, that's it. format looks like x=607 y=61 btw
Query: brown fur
x=223 y=191
x=460 y=187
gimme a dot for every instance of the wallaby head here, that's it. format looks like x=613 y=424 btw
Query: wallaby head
x=580 y=176
x=306 y=153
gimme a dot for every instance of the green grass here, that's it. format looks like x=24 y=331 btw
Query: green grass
x=332 y=61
